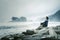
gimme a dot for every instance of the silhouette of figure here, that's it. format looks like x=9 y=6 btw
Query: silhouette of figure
x=45 y=23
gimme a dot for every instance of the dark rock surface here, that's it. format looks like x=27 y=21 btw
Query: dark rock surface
x=13 y=37
x=29 y=32
x=28 y=35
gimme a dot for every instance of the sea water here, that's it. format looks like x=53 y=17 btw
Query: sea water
x=7 y=28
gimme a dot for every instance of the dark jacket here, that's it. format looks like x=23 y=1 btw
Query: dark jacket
x=45 y=24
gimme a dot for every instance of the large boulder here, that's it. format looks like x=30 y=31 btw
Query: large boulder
x=28 y=32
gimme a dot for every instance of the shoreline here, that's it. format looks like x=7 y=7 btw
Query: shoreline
x=20 y=36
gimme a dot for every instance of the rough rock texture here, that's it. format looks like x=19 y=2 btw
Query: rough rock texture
x=33 y=36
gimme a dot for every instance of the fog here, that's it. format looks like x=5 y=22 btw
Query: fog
x=27 y=8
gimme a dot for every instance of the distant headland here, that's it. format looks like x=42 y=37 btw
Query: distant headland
x=16 y=19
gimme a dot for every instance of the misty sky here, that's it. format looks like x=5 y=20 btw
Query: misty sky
x=27 y=8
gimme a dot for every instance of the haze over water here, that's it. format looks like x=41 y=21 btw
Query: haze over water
x=18 y=27
x=31 y=9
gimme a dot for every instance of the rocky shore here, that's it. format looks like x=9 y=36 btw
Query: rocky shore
x=24 y=37
x=31 y=35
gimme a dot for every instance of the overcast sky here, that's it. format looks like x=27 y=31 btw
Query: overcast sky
x=27 y=8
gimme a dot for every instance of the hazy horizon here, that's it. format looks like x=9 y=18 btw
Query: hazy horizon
x=28 y=8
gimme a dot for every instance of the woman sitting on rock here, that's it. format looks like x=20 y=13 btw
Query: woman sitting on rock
x=44 y=24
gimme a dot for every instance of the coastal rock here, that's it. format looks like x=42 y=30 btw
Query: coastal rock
x=28 y=32
x=13 y=37
x=42 y=34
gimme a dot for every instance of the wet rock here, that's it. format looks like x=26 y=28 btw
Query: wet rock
x=18 y=36
x=13 y=37
x=28 y=32
x=5 y=38
x=48 y=39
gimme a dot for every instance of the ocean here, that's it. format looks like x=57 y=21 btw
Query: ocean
x=7 y=28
